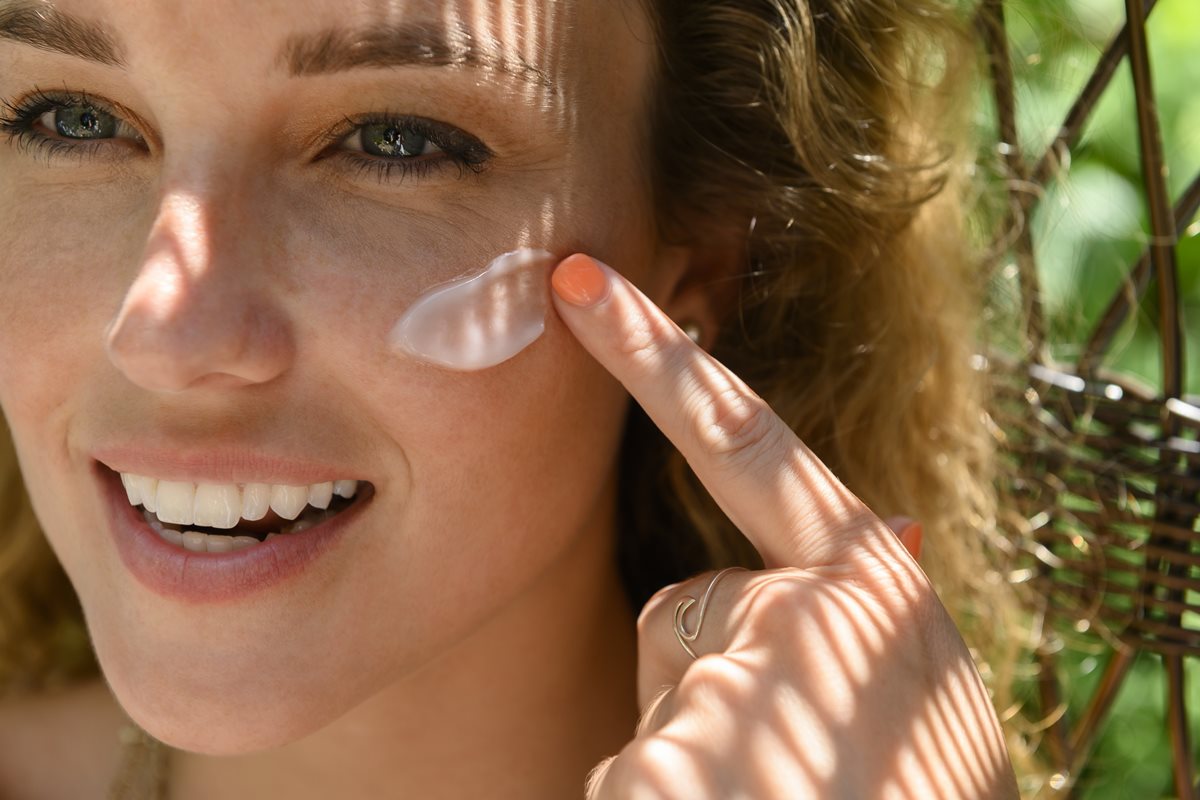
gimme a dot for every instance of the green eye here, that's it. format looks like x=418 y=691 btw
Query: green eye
x=393 y=146
x=389 y=140
x=81 y=122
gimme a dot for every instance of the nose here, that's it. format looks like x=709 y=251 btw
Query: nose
x=199 y=311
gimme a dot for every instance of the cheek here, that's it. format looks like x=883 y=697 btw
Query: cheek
x=499 y=475
x=64 y=262
x=501 y=434
x=494 y=469
x=361 y=267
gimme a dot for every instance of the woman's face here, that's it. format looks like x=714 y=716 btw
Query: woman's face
x=212 y=271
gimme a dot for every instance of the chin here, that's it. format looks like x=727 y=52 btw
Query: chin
x=211 y=728
x=208 y=714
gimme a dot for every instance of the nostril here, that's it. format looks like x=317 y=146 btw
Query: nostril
x=218 y=380
x=149 y=360
x=205 y=342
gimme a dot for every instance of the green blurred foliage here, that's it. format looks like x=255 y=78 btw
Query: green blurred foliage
x=1132 y=758
x=1092 y=223
x=1089 y=228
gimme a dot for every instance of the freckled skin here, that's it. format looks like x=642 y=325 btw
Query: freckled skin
x=228 y=285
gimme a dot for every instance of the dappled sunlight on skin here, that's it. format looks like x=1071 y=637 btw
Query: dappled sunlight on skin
x=915 y=764
x=839 y=634
x=816 y=672
x=515 y=37
x=958 y=696
x=806 y=699
x=496 y=39
x=510 y=303
x=968 y=780
x=235 y=258
x=729 y=428
x=886 y=567
x=541 y=44
x=827 y=675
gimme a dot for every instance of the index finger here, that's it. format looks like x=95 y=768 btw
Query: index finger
x=780 y=495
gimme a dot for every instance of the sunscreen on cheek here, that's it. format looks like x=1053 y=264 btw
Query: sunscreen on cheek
x=480 y=321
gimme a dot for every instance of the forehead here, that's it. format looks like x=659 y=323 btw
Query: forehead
x=547 y=46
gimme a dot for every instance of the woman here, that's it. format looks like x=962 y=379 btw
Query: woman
x=215 y=213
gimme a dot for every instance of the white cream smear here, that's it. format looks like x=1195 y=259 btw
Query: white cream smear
x=483 y=320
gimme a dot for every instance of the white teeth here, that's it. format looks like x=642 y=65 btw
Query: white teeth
x=148 y=489
x=218 y=544
x=175 y=500
x=256 y=501
x=223 y=505
x=288 y=501
x=194 y=540
x=300 y=525
x=210 y=543
x=152 y=520
x=217 y=505
x=320 y=494
x=133 y=489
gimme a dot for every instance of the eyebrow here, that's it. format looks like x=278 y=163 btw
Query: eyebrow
x=408 y=44
x=40 y=25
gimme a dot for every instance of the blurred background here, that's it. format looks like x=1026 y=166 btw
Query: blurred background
x=1088 y=229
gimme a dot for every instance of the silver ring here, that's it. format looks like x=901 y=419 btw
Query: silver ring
x=681 y=632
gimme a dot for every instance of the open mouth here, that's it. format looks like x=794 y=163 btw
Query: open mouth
x=203 y=538
x=219 y=518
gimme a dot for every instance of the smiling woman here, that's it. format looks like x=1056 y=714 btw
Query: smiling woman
x=313 y=560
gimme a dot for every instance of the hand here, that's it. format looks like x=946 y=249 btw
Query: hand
x=833 y=673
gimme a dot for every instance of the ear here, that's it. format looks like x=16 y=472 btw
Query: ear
x=699 y=284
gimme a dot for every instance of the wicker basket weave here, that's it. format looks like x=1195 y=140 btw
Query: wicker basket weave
x=1109 y=486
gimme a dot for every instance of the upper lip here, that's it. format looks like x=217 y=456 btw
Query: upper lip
x=201 y=464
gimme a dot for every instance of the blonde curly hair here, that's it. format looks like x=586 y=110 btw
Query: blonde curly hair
x=828 y=135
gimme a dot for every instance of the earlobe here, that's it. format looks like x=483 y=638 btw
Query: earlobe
x=699 y=287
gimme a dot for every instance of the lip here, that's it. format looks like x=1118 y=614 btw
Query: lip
x=212 y=578
x=217 y=466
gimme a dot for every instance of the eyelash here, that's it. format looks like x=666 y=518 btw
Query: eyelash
x=17 y=124
x=459 y=149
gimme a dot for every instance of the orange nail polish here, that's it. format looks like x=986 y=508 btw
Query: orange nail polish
x=580 y=281
x=913 y=537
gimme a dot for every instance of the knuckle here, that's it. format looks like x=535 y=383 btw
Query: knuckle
x=777 y=597
x=643 y=769
x=739 y=428
x=710 y=669
x=776 y=607
x=847 y=523
x=643 y=341
x=645 y=620
x=717 y=683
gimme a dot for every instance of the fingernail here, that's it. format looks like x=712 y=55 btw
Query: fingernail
x=580 y=281
x=912 y=537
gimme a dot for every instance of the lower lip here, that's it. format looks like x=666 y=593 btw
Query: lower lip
x=196 y=578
